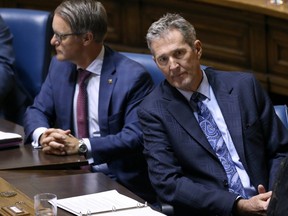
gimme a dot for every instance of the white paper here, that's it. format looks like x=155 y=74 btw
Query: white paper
x=105 y=203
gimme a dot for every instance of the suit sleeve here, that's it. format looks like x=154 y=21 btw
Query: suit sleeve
x=53 y=106
x=121 y=135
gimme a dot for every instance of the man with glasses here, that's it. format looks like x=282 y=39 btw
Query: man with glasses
x=115 y=86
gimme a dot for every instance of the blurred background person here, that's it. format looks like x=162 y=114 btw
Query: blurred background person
x=13 y=98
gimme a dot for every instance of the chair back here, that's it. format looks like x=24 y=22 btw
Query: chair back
x=32 y=31
x=281 y=111
x=147 y=61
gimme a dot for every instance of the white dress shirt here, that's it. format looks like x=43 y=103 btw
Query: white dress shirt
x=93 y=86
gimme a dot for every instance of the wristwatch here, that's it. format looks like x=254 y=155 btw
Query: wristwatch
x=82 y=147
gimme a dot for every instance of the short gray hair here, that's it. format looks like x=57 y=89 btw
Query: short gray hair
x=168 y=22
x=84 y=16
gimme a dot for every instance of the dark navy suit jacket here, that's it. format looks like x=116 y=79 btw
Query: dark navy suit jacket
x=123 y=85
x=182 y=165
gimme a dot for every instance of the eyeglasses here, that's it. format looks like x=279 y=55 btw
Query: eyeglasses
x=60 y=37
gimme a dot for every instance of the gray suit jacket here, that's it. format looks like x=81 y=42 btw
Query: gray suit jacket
x=183 y=168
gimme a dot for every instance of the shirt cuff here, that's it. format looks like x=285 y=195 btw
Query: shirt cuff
x=36 y=135
x=89 y=151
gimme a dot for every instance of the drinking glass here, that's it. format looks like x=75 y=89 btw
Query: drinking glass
x=45 y=204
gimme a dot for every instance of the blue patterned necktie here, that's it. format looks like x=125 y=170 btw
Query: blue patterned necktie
x=214 y=136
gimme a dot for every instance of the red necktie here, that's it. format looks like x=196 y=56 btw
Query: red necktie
x=82 y=104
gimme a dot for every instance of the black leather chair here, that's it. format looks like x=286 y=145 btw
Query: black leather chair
x=32 y=31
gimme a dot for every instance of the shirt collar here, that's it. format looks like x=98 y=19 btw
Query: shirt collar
x=203 y=88
x=96 y=65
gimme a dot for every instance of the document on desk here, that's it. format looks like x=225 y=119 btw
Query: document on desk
x=9 y=139
x=105 y=204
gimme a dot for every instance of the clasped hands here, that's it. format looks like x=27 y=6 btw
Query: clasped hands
x=59 y=142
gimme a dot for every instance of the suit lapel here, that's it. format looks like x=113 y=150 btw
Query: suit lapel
x=67 y=95
x=186 y=117
x=108 y=80
x=229 y=104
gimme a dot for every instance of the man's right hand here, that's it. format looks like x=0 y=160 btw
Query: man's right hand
x=256 y=205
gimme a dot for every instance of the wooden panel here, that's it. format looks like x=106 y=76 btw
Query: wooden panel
x=237 y=45
x=246 y=35
x=277 y=55
x=115 y=33
x=253 y=6
x=31 y=4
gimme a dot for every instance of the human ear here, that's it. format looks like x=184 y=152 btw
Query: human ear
x=198 y=48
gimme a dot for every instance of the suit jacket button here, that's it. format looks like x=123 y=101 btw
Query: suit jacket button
x=225 y=183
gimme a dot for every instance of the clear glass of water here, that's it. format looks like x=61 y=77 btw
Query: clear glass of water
x=45 y=204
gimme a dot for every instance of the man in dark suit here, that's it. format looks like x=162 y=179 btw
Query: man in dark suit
x=13 y=97
x=115 y=87
x=186 y=170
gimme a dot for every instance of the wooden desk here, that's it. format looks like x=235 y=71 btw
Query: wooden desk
x=26 y=157
x=31 y=171
x=66 y=185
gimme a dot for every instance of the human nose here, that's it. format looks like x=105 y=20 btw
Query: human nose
x=173 y=64
x=54 y=41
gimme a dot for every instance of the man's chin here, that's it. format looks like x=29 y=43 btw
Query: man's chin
x=60 y=57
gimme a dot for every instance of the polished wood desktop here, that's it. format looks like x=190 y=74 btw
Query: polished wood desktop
x=26 y=157
x=31 y=171
x=65 y=186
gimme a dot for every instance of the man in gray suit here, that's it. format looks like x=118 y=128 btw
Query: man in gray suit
x=189 y=168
